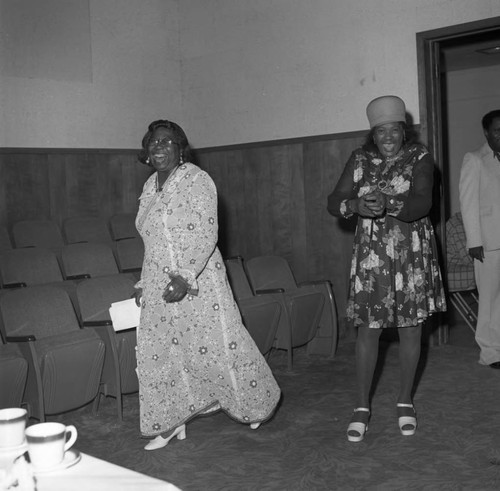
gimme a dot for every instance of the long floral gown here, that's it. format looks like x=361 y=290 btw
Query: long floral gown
x=193 y=355
x=395 y=279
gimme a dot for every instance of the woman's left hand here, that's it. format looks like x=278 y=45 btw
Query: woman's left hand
x=376 y=202
x=176 y=290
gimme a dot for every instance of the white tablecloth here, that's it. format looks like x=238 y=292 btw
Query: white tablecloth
x=92 y=474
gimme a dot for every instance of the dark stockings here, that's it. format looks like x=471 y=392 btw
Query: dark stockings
x=409 y=355
x=367 y=347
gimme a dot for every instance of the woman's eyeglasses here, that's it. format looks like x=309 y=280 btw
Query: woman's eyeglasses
x=164 y=142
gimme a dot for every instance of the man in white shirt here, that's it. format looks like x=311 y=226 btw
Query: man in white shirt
x=480 y=206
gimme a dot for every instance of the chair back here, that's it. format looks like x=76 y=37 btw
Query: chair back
x=95 y=295
x=238 y=278
x=42 y=311
x=268 y=272
x=29 y=266
x=37 y=233
x=122 y=226
x=5 y=242
x=130 y=254
x=90 y=259
x=86 y=229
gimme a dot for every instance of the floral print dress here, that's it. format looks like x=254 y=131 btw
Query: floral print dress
x=395 y=279
x=195 y=355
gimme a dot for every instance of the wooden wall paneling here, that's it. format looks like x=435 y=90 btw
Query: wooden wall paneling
x=248 y=227
x=127 y=177
x=298 y=214
x=58 y=195
x=329 y=238
x=140 y=173
x=236 y=225
x=267 y=226
x=216 y=165
x=83 y=185
x=26 y=185
x=3 y=192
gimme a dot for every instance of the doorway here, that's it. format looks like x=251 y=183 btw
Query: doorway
x=446 y=57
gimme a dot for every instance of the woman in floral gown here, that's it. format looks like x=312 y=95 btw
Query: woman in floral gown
x=395 y=278
x=194 y=355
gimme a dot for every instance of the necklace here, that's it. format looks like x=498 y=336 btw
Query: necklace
x=159 y=188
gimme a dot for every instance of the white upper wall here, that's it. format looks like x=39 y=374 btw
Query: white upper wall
x=228 y=71
x=268 y=69
x=126 y=72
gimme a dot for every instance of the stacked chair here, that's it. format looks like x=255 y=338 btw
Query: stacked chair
x=260 y=313
x=311 y=316
x=65 y=362
x=460 y=272
x=95 y=295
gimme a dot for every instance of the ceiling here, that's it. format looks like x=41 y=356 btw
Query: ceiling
x=464 y=54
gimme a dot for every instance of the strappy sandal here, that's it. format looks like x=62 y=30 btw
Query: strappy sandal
x=356 y=429
x=407 y=424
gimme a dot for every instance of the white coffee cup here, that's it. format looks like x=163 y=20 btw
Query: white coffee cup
x=47 y=443
x=12 y=426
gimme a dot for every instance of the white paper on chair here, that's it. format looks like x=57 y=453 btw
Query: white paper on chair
x=125 y=314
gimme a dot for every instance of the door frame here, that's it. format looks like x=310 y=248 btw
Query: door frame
x=431 y=107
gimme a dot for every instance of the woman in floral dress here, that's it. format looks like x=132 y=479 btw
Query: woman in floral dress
x=395 y=277
x=194 y=355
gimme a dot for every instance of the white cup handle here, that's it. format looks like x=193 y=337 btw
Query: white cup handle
x=72 y=439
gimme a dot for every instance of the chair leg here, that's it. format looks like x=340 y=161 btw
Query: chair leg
x=119 y=406
x=95 y=405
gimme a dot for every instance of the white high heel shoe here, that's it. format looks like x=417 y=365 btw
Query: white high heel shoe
x=407 y=424
x=356 y=429
x=160 y=442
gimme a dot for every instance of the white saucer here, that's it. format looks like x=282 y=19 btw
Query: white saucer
x=14 y=449
x=71 y=457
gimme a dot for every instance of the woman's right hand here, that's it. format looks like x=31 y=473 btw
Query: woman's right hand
x=137 y=295
x=367 y=206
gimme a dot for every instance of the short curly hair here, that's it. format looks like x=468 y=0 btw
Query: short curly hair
x=487 y=120
x=179 y=137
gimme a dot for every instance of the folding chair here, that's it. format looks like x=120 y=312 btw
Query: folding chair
x=31 y=266
x=95 y=296
x=37 y=233
x=64 y=361
x=122 y=226
x=28 y=267
x=130 y=255
x=303 y=304
x=88 y=260
x=86 y=229
x=13 y=375
x=5 y=242
x=460 y=272
x=260 y=313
